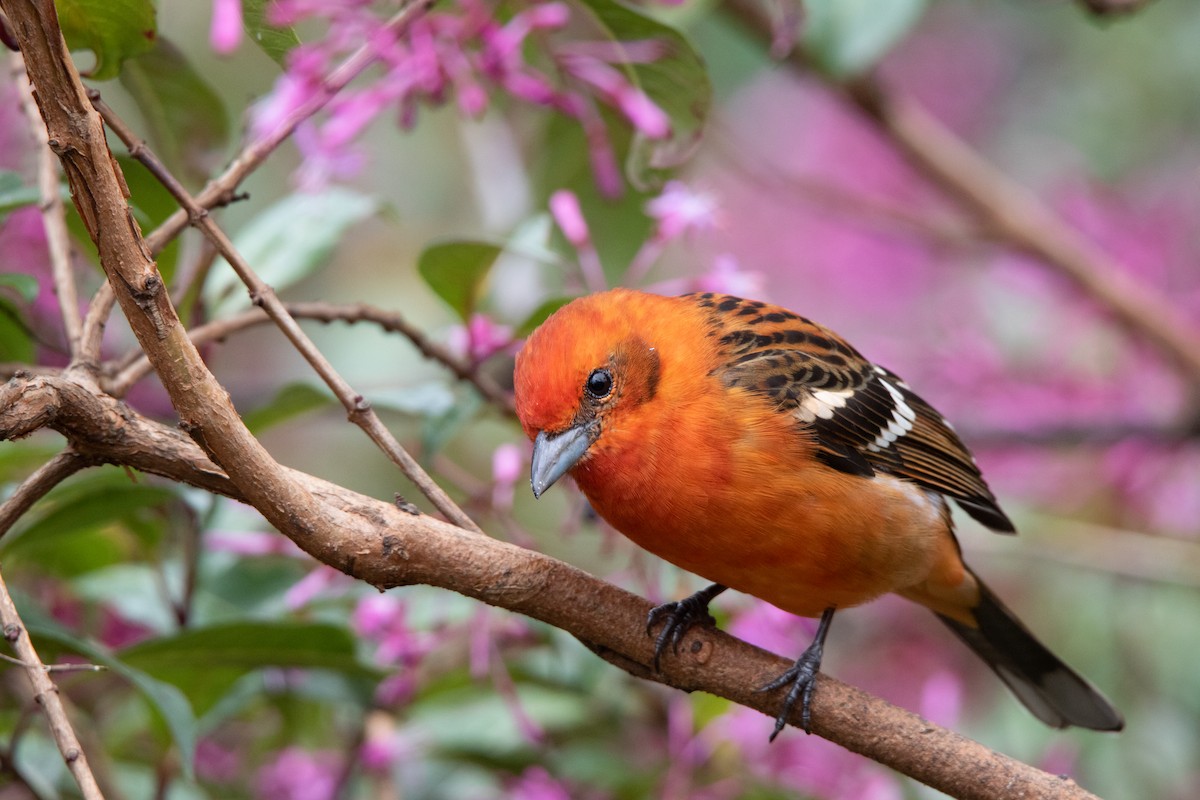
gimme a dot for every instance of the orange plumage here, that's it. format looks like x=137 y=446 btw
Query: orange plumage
x=757 y=449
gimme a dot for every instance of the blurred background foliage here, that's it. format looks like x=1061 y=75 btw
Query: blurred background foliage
x=239 y=668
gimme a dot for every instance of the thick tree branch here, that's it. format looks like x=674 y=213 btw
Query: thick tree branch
x=46 y=694
x=377 y=542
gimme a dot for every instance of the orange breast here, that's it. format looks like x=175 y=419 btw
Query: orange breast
x=725 y=487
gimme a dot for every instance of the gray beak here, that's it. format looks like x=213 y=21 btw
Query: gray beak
x=554 y=455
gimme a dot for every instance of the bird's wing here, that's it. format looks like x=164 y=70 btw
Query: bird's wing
x=863 y=418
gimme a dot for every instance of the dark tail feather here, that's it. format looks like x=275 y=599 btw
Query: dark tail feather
x=1055 y=693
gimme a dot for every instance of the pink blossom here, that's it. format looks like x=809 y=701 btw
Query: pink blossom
x=679 y=210
x=507 y=460
x=251 y=543
x=616 y=88
x=535 y=783
x=296 y=774
x=226 y=32
x=316 y=583
x=941 y=698
x=564 y=207
x=479 y=339
x=217 y=763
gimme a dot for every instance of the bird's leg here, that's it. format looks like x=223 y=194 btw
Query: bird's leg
x=803 y=677
x=680 y=616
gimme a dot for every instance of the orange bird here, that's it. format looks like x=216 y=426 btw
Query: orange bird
x=756 y=448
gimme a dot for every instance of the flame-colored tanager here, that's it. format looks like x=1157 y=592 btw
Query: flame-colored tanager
x=753 y=447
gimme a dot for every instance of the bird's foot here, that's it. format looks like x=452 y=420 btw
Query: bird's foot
x=803 y=679
x=679 y=618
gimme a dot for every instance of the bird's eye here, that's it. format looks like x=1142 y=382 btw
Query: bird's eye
x=599 y=384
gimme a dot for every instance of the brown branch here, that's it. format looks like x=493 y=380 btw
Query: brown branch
x=46 y=695
x=54 y=219
x=264 y=296
x=37 y=485
x=376 y=542
x=133 y=369
x=1010 y=211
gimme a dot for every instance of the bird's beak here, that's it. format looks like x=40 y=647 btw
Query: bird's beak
x=554 y=455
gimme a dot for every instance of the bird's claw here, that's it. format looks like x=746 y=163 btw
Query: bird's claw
x=679 y=618
x=803 y=679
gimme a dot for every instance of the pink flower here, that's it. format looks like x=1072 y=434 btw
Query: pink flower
x=564 y=207
x=226 y=32
x=316 y=583
x=507 y=461
x=297 y=774
x=679 y=210
x=216 y=762
x=535 y=783
x=479 y=339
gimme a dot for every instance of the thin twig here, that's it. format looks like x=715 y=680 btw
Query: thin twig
x=94 y=323
x=264 y=296
x=133 y=369
x=37 y=485
x=55 y=667
x=54 y=219
x=46 y=694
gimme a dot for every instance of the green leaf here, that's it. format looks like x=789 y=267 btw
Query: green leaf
x=167 y=701
x=847 y=37
x=540 y=315
x=290 y=401
x=206 y=662
x=457 y=270
x=24 y=286
x=185 y=117
x=88 y=504
x=287 y=242
x=677 y=82
x=275 y=42
x=113 y=30
x=14 y=193
x=16 y=339
x=151 y=203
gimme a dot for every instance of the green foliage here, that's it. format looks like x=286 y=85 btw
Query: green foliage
x=275 y=42
x=677 y=82
x=290 y=401
x=185 y=117
x=456 y=272
x=114 y=30
x=847 y=37
x=14 y=193
x=287 y=242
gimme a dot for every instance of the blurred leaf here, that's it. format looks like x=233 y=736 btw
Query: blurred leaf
x=113 y=30
x=166 y=700
x=290 y=401
x=288 y=241
x=24 y=286
x=429 y=399
x=85 y=505
x=677 y=82
x=206 y=662
x=456 y=271
x=847 y=37
x=275 y=42
x=540 y=315
x=16 y=340
x=440 y=429
x=186 y=119
x=14 y=193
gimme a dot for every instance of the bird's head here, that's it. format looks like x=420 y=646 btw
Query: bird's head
x=583 y=375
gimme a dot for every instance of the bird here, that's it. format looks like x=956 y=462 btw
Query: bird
x=759 y=450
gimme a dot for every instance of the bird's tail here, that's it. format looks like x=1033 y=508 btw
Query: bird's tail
x=1054 y=692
